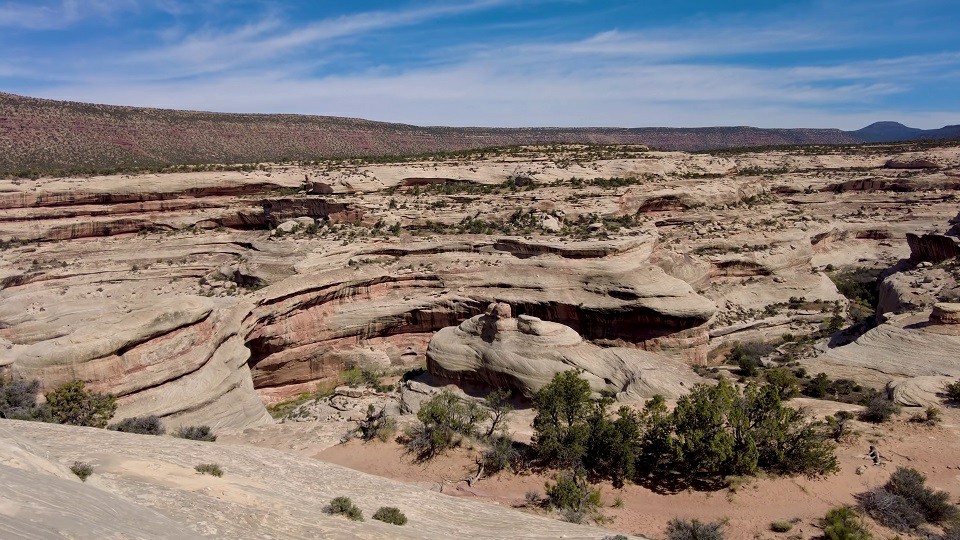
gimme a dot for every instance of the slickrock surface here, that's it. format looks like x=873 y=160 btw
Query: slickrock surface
x=146 y=487
x=524 y=353
x=905 y=347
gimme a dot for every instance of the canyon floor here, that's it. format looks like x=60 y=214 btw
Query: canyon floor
x=205 y=296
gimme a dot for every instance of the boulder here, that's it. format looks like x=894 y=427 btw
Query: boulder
x=295 y=224
x=918 y=391
x=551 y=224
x=933 y=247
x=321 y=188
x=945 y=313
x=910 y=164
x=524 y=353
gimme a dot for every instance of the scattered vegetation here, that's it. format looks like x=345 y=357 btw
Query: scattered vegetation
x=838 y=425
x=144 y=425
x=390 y=514
x=931 y=416
x=682 y=529
x=196 y=433
x=781 y=526
x=209 y=468
x=713 y=433
x=82 y=470
x=747 y=356
x=861 y=287
x=444 y=420
x=500 y=455
x=363 y=377
x=377 y=425
x=72 y=404
x=286 y=408
x=573 y=497
x=842 y=390
x=18 y=401
x=343 y=506
x=879 y=409
x=498 y=402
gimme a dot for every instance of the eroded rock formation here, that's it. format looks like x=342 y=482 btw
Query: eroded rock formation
x=524 y=353
x=181 y=293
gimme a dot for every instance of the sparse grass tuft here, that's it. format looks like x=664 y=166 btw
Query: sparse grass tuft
x=143 y=425
x=196 y=433
x=879 y=409
x=844 y=523
x=389 y=514
x=209 y=468
x=82 y=470
x=681 y=529
x=931 y=417
x=343 y=506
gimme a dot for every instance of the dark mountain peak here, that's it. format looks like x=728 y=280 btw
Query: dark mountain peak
x=887 y=131
x=885 y=124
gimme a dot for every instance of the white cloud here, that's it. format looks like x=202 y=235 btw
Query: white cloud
x=46 y=15
x=691 y=75
x=492 y=93
x=258 y=42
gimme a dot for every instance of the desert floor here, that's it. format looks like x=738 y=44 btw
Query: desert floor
x=750 y=508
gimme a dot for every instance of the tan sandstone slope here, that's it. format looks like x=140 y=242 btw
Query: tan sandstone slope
x=146 y=487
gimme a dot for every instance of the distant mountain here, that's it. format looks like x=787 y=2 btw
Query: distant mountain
x=895 y=131
x=886 y=132
x=47 y=135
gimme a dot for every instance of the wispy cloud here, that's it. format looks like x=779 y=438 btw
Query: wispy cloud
x=252 y=44
x=45 y=15
x=813 y=65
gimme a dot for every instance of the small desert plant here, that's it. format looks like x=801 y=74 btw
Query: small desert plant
x=911 y=485
x=891 y=510
x=209 y=468
x=344 y=506
x=389 y=514
x=500 y=455
x=931 y=417
x=747 y=356
x=837 y=425
x=18 y=401
x=144 y=425
x=444 y=420
x=843 y=523
x=377 y=425
x=783 y=380
x=573 y=497
x=72 y=404
x=533 y=498
x=617 y=503
x=781 y=526
x=682 y=529
x=879 y=409
x=952 y=391
x=82 y=470
x=195 y=433
x=498 y=402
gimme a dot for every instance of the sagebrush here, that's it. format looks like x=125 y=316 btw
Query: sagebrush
x=344 y=506
x=390 y=514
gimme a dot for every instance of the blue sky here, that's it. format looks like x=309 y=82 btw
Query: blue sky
x=797 y=63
